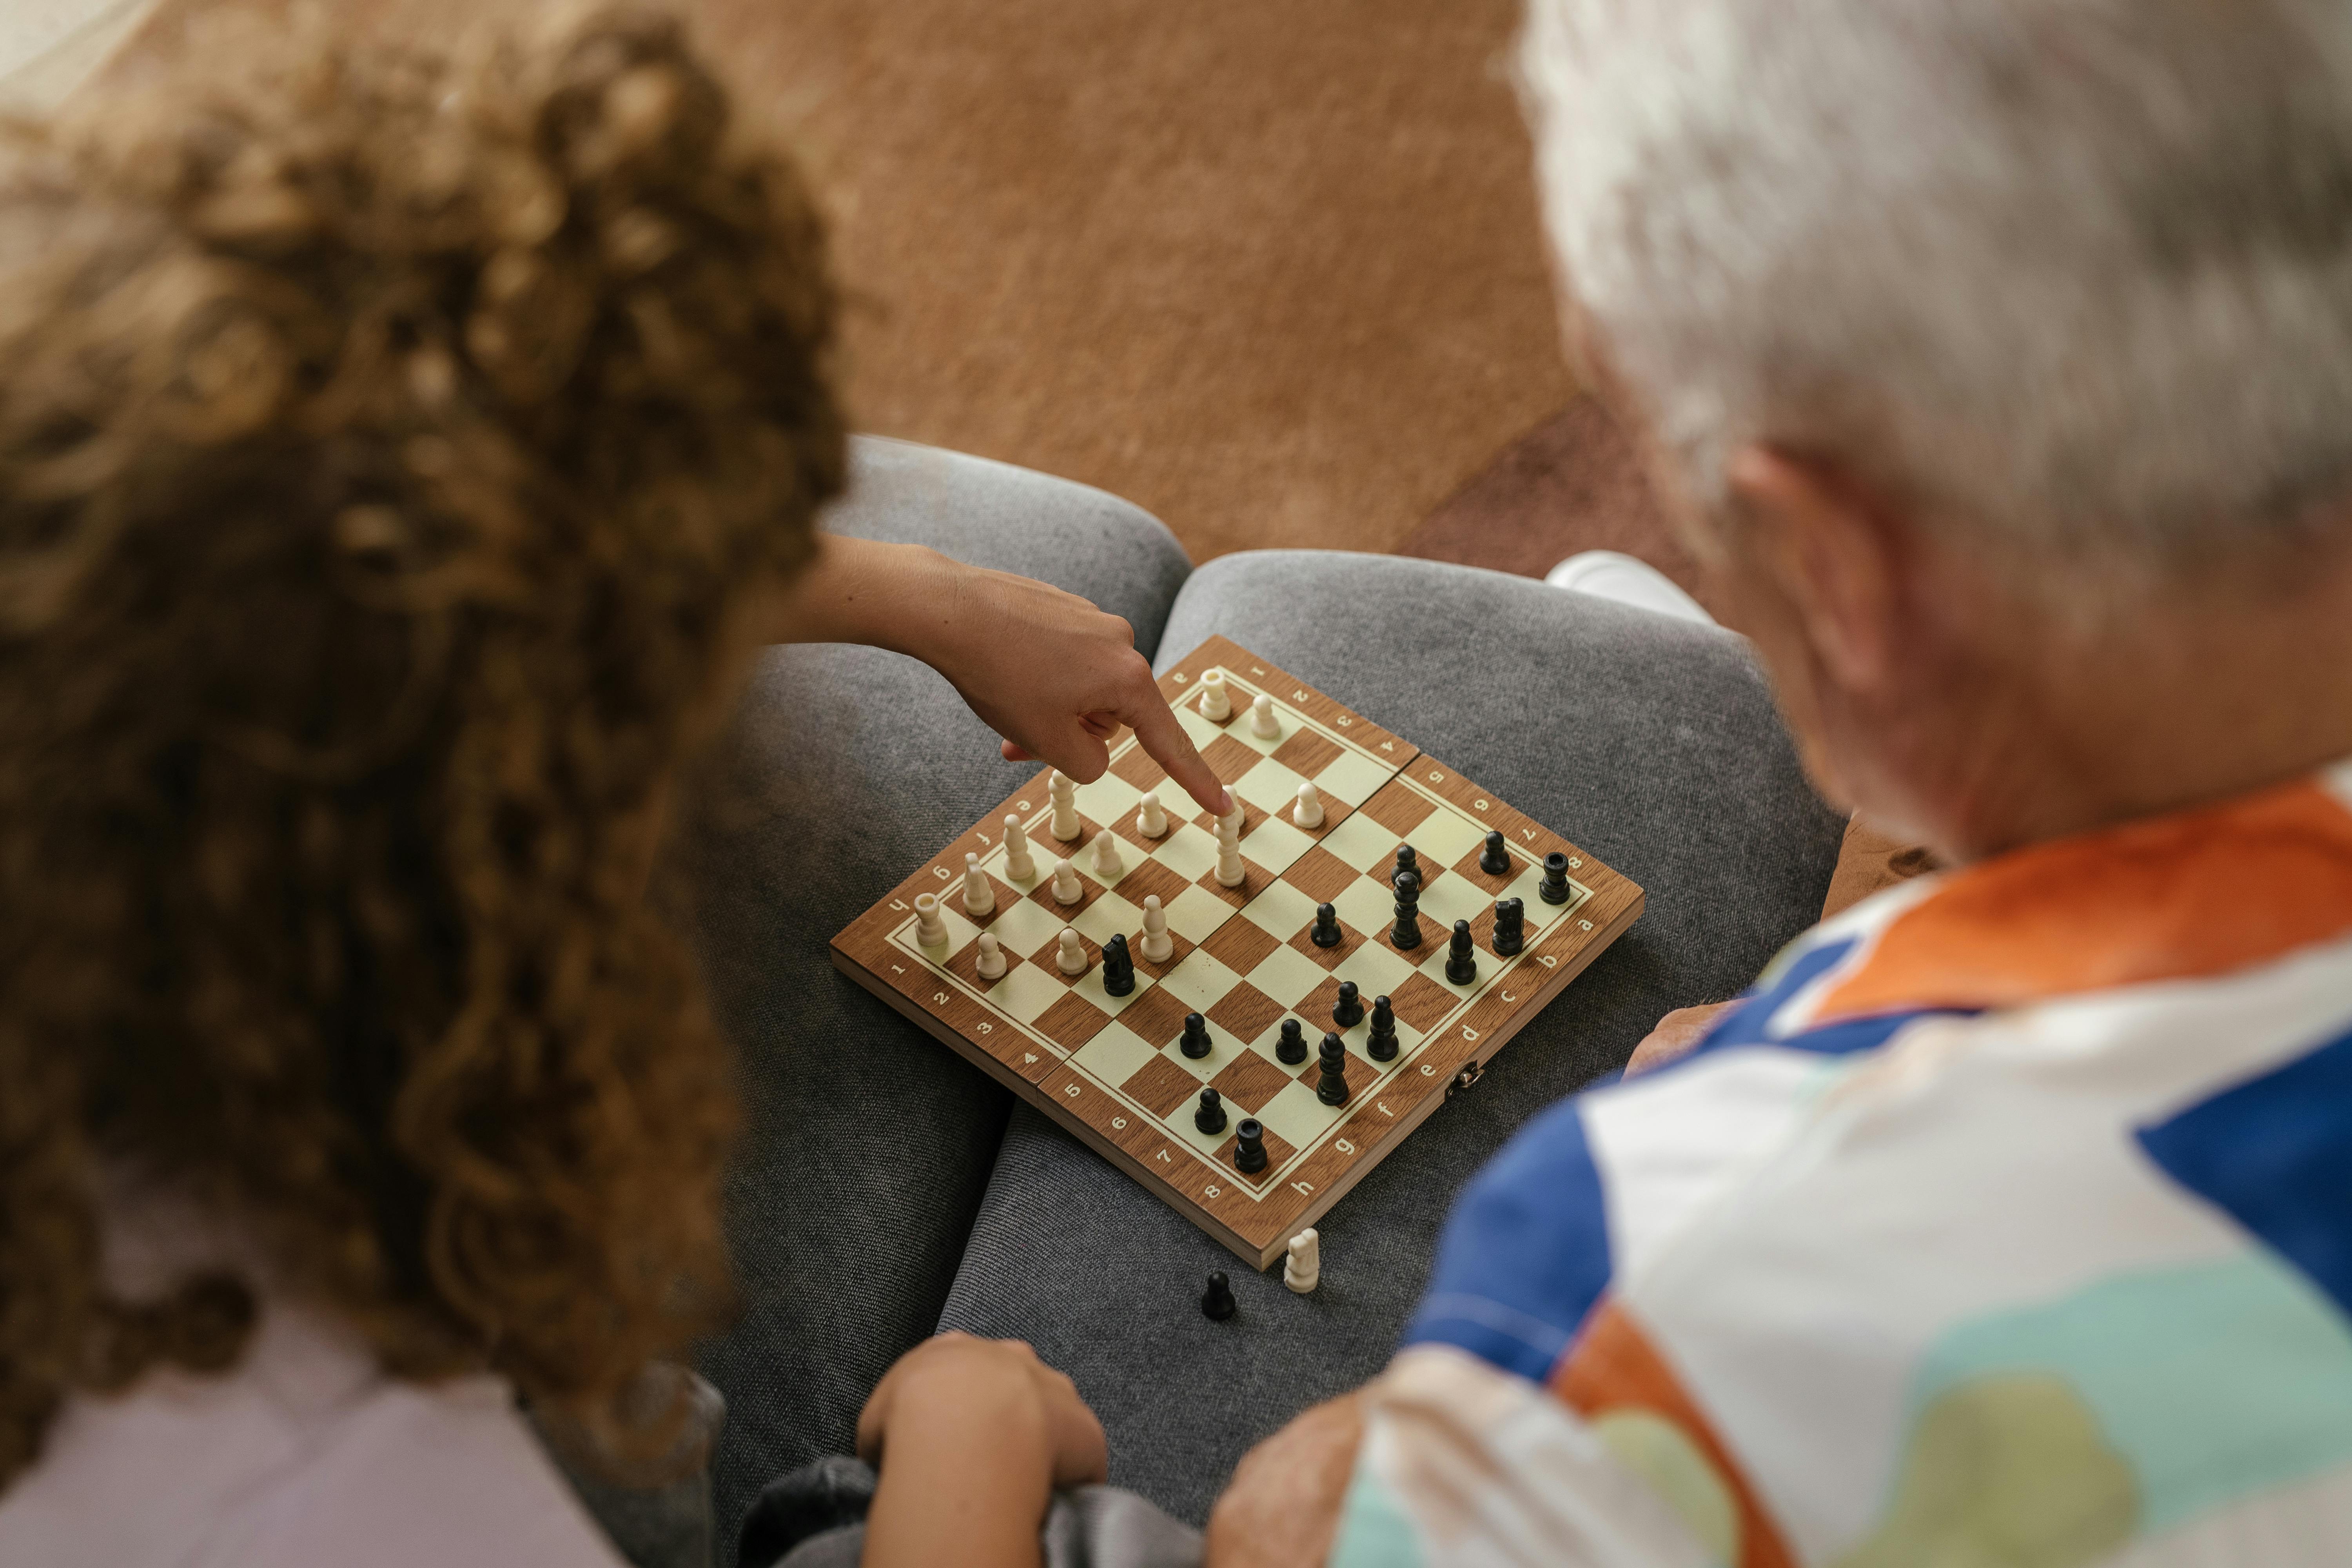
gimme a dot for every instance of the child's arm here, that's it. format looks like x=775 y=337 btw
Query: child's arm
x=972 y=1438
x=1045 y=670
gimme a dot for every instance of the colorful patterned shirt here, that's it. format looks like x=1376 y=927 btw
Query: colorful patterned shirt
x=2008 y=1222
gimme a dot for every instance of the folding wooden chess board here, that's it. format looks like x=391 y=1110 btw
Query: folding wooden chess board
x=1107 y=1067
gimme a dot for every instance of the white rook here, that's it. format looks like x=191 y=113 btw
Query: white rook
x=930 y=930
x=1216 y=703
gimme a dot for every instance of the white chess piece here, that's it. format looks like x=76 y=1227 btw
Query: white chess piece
x=1065 y=807
x=930 y=930
x=1150 y=820
x=1107 y=861
x=1216 y=703
x=1302 y=1269
x=1070 y=953
x=1262 y=723
x=1066 y=882
x=1157 y=946
x=1017 y=863
x=990 y=959
x=1229 y=849
x=1308 y=811
x=979 y=898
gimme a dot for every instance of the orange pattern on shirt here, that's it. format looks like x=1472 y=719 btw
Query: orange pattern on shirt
x=2183 y=897
x=1612 y=1367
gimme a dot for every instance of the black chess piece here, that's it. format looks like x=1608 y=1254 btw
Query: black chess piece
x=1510 y=926
x=1347 y=1012
x=1249 y=1147
x=1406 y=932
x=1195 y=1043
x=1118 y=967
x=1327 y=926
x=1331 y=1088
x=1292 y=1047
x=1217 y=1301
x=1555 y=878
x=1382 y=1044
x=1461 y=962
x=1408 y=861
x=1497 y=860
x=1211 y=1117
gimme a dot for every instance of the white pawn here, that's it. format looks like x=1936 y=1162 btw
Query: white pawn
x=1308 y=811
x=1216 y=704
x=1302 y=1269
x=1017 y=863
x=1229 y=849
x=1150 y=820
x=930 y=930
x=1070 y=953
x=990 y=959
x=1107 y=861
x=1262 y=723
x=1066 y=882
x=979 y=898
x=1065 y=807
x=1157 y=946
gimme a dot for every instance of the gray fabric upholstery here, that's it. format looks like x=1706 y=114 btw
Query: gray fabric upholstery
x=867 y=1144
x=1649 y=742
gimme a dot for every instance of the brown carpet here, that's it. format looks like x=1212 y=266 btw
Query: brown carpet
x=1271 y=271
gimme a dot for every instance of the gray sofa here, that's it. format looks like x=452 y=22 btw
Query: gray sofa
x=887 y=1190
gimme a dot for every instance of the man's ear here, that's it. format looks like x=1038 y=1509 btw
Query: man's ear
x=1832 y=553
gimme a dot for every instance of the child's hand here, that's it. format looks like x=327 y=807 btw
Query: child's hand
x=972 y=1438
x=1282 y=1507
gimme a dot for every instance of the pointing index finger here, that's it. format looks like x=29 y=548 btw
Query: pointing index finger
x=1164 y=740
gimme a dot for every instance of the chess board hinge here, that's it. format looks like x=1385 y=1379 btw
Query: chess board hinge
x=1470 y=1074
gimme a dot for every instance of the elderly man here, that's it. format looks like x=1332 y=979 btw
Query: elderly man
x=2002 y=358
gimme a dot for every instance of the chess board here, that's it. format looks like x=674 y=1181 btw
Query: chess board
x=1108 y=1067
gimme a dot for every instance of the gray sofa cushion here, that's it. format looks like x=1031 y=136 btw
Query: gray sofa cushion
x=1649 y=742
x=867 y=1144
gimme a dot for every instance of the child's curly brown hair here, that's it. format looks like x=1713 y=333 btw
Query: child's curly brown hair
x=393 y=455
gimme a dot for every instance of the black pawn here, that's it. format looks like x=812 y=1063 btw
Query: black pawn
x=1211 y=1117
x=1327 y=926
x=1497 y=860
x=1408 y=860
x=1347 y=1012
x=1195 y=1043
x=1510 y=926
x=1118 y=967
x=1331 y=1088
x=1382 y=1046
x=1249 y=1148
x=1554 y=879
x=1217 y=1301
x=1460 y=967
x=1292 y=1047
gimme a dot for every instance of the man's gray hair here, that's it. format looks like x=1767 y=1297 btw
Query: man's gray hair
x=2077 y=269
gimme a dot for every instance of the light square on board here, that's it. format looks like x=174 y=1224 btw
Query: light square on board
x=1025 y=927
x=1224 y=1050
x=1294 y=1113
x=1451 y=899
x=1107 y=799
x=1199 y=981
x=1188 y=850
x=1361 y=842
x=1445 y=836
x=1196 y=913
x=1026 y=991
x=1106 y=917
x=1275 y=844
x=1277 y=1155
x=1279 y=910
x=1114 y=1055
x=1288 y=978
x=1269 y=786
x=1091 y=987
x=1241 y=730
x=1201 y=731
x=1434 y=966
x=1369 y=906
x=960 y=933
x=1376 y=971
x=1353 y=777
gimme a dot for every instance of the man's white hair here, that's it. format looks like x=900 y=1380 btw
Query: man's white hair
x=2077 y=270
